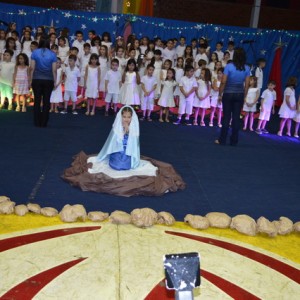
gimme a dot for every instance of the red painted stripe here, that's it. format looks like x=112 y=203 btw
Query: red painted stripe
x=228 y=287
x=22 y=240
x=266 y=260
x=27 y=289
x=159 y=292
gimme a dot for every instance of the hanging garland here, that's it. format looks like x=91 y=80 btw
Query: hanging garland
x=134 y=18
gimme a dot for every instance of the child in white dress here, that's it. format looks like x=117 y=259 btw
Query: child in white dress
x=267 y=106
x=91 y=83
x=106 y=41
x=148 y=83
x=179 y=73
x=56 y=95
x=166 y=66
x=129 y=94
x=215 y=102
x=287 y=109
x=104 y=65
x=250 y=103
x=63 y=49
x=202 y=97
x=156 y=61
x=26 y=42
x=297 y=119
x=84 y=61
x=120 y=57
x=167 y=95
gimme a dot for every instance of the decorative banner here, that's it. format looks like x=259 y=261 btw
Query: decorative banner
x=115 y=24
x=275 y=73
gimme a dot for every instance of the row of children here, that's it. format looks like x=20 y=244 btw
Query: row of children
x=172 y=47
x=200 y=94
x=162 y=56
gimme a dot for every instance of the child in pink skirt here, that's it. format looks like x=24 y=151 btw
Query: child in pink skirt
x=21 y=81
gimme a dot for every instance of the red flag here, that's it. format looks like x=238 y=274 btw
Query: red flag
x=276 y=75
x=127 y=31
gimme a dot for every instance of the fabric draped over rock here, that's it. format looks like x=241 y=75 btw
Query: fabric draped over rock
x=166 y=180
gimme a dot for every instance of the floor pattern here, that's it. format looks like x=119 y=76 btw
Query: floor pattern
x=43 y=258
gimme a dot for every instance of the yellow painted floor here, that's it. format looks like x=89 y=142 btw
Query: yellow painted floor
x=125 y=262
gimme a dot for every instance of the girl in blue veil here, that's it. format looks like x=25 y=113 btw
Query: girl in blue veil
x=122 y=147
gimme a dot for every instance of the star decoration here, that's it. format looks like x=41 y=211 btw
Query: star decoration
x=217 y=28
x=263 y=51
x=222 y=40
x=231 y=38
x=207 y=38
x=83 y=26
x=34 y=31
x=95 y=19
x=22 y=12
x=67 y=15
x=57 y=21
x=179 y=31
x=114 y=18
x=140 y=34
x=198 y=27
x=114 y=33
x=72 y=37
x=280 y=44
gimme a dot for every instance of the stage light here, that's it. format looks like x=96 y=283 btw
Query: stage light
x=182 y=274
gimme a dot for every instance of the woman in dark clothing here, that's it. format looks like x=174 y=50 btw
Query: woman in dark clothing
x=43 y=76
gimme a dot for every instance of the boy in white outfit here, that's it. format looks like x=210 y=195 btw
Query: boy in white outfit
x=72 y=77
x=149 y=84
x=7 y=68
x=187 y=86
x=112 y=83
x=268 y=99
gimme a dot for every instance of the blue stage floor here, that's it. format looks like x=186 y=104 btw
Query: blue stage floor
x=260 y=177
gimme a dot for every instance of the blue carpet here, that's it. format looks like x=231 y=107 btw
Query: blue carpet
x=260 y=177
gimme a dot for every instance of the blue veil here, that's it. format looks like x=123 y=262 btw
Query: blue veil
x=114 y=142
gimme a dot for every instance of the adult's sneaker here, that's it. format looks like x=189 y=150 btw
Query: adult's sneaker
x=258 y=131
x=264 y=131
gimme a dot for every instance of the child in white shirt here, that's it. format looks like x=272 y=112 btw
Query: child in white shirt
x=259 y=74
x=169 y=52
x=72 y=77
x=149 y=84
x=219 y=51
x=181 y=47
x=113 y=82
x=79 y=43
x=201 y=55
x=267 y=106
x=7 y=68
x=187 y=86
